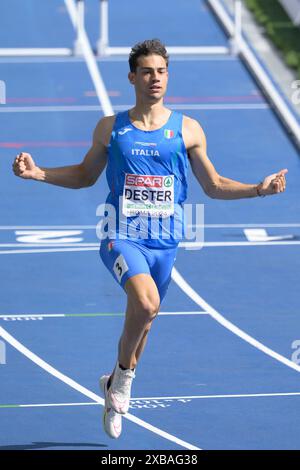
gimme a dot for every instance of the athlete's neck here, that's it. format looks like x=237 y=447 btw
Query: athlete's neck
x=150 y=116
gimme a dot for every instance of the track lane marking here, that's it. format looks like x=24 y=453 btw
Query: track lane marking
x=133 y=400
x=84 y=391
x=193 y=295
x=84 y=315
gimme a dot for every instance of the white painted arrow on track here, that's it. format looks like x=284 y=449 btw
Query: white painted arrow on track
x=261 y=235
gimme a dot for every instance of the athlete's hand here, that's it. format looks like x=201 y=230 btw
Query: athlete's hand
x=24 y=166
x=273 y=184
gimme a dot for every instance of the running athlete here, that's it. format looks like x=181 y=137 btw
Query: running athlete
x=146 y=150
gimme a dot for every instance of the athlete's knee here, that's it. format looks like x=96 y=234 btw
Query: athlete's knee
x=146 y=308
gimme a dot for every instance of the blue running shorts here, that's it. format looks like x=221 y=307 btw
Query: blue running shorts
x=126 y=258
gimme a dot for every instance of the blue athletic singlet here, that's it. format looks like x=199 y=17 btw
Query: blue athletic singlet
x=147 y=178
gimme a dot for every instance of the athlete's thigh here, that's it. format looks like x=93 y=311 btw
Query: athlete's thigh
x=124 y=259
x=161 y=269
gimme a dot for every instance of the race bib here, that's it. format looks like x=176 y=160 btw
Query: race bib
x=148 y=195
x=120 y=267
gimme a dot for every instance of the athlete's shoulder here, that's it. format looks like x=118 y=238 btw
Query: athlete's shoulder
x=191 y=124
x=192 y=132
x=103 y=129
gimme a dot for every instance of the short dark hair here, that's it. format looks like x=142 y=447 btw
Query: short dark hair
x=148 y=47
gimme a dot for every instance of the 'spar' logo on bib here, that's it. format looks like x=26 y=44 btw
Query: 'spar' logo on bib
x=168 y=134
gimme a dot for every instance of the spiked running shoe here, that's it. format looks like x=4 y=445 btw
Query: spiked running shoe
x=112 y=421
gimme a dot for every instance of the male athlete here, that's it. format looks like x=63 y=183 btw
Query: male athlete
x=146 y=150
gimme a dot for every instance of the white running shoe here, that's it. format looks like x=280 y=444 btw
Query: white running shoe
x=120 y=389
x=112 y=421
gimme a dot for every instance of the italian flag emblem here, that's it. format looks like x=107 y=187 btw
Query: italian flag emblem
x=168 y=134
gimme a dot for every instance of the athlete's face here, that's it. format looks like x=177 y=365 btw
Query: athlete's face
x=150 y=78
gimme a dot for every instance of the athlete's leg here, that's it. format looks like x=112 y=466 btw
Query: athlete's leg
x=128 y=263
x=160 y=271
x=142 y=344
x=161 y=266
x=145 y=275
x=142 y=307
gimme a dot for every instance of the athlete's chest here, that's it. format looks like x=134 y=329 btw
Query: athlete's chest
x=139 y=146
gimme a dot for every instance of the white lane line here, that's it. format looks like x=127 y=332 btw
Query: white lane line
x=78 y=227
x=49 y=59
x=192 y=294
x=90 y=61
x=54 y=250
x=284 y=240
x=197 y=245
x=46 y=405
x=53 y=315
x=35 y=51
x=245 y=225
x=204 y=397
x=96 y=246
x=47 y=245
x=47 y=227
x=183 y=313
x=91 y=315
x=97 y=108
x=220 y=107
x=161 y=399
x=76 y=386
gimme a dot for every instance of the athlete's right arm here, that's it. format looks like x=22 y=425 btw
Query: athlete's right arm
x=78 y=176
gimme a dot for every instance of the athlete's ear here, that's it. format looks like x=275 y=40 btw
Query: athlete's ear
x=131 y=77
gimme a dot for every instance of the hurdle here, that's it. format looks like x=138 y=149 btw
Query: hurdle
x=105 y=50
x=51 y=52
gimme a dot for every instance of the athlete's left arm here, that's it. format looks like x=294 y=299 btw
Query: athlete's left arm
x=215 y=185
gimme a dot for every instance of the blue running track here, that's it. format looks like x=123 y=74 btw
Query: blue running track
x=220 y=368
